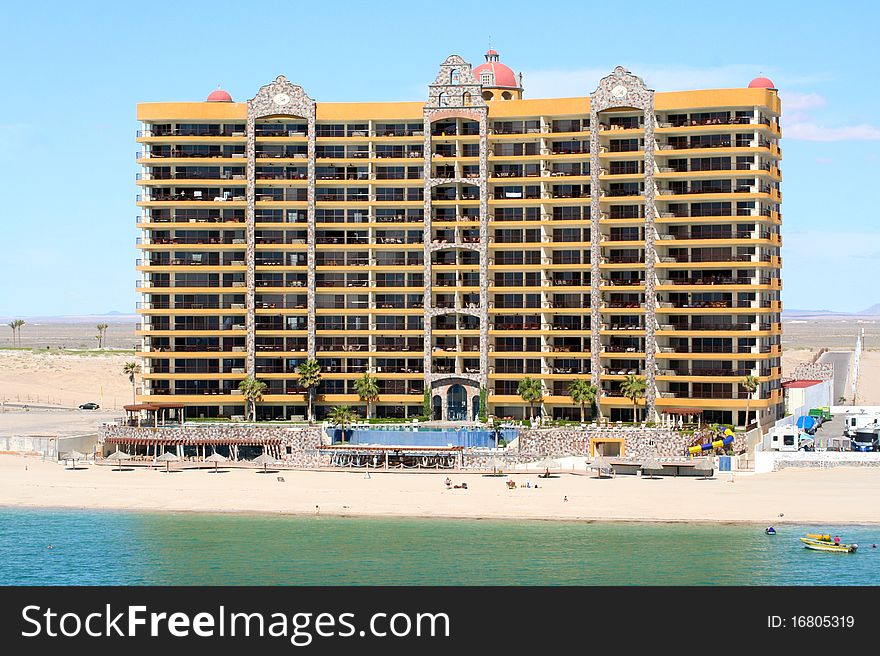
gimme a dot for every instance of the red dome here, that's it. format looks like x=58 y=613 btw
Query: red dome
x=219 y=95
x=761 y=83
x=504 y=75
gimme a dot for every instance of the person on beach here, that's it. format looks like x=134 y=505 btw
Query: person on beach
x=448 y=482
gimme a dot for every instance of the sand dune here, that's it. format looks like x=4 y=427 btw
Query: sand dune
x=53 y=378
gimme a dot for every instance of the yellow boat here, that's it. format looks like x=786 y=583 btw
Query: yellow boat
x=828 y=545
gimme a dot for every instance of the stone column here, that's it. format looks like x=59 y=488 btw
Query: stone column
x=310 y=241
x=484 y=250
x=595 y=255
x=250 y=239
x=650 y=258
x=427 y=296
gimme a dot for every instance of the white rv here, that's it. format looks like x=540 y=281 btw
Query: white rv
x=852 y=422
x=784 y=438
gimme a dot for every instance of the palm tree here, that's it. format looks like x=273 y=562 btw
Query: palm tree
x=102 y=333
x=342 y=416
x=132 y=369
x=750 y=384
x=367 y=388
x=633 y=388
x=18 y=324
x=531 y=391
x=582 y=393
x=252 y=390
x=309 y=378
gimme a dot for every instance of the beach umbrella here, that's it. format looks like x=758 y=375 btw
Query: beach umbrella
x=265 y=460
x=74 y=456
x=599 y=463
x=498 y=464
x=216 y=458
x=652 y=464
x=706 y=465
x=118 y=457
x=549 y=463
x=168 y=457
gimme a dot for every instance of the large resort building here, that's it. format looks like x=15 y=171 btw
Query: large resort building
x=454 y=246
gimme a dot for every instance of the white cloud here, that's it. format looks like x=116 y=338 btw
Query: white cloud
x=808 y=131
x=795 y=101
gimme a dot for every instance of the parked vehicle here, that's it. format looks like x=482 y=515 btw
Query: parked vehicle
x=866 y=439
x=855 y=422
x=89 y=406
x=784 y=438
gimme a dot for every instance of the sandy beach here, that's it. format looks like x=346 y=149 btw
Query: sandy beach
x=792 y=495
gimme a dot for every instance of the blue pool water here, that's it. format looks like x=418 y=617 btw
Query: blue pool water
x=466 y=437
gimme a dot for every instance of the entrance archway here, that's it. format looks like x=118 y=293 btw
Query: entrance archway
x=456 y=403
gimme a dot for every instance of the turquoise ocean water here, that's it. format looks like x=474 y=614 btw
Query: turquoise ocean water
x=121 y=548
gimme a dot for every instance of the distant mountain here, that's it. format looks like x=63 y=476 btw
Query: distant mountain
x=810 y=313
x=873 y=311
x=109 y=317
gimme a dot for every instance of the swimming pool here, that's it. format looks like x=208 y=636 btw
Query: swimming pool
x=420 y=436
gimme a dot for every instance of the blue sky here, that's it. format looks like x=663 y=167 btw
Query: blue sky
x=73 y=72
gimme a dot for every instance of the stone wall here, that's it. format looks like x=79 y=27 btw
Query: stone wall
x=812 y=371
x=639 y=442
x=301 y=442
x=771 y=461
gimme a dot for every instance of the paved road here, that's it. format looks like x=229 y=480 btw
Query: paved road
x=840 y=360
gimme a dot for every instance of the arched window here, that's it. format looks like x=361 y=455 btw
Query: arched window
x=443 y=98
x=454 y=76
x=465 y=99
x=506 y=95
x=487 y=95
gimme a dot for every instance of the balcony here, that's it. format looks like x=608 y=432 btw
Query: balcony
x=714 y=326
x=718 y=234
x=716 y=280
x=704 y=394
x=684 y=371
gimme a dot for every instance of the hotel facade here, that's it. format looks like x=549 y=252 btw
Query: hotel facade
x=453 y=247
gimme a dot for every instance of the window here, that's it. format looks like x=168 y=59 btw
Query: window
x=486 y=78
x=465 y=99
x=455 y=76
